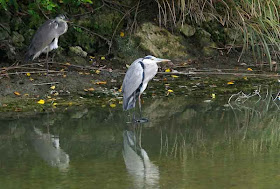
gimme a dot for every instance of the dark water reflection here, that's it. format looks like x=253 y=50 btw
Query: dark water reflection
x=186 y=144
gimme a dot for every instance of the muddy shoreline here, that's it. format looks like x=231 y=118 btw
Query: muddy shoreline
x=68 y=86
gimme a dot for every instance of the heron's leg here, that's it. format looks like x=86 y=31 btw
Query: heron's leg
x=47 y=56
x=139 y=101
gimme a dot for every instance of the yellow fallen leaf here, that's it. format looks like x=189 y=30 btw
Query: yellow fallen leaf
x=52 y=87
x=86 y=90
x=62 y=70
x=26 y=94
x=41 y=101
x=170 y=91
x=64 y=76
x=103 y=105
x=28 y=74
x=113 y=105
x=121 y=102
x=230 y=82
x=17 y=93
x=67 y=63
x=70 y=103
x=127 y=66
x=250 y=69
x=122 y=34
x=31 y=79
x=91 y=89
x=87 y=73
x=49 y=97
x=92 y=57
x=54 y=104
x=245 y=78
x=81 y=73
x=102 y=58
x=167 y=70
x=213 y=95
x=174 y=76
x=97 y=71
x=101 y=82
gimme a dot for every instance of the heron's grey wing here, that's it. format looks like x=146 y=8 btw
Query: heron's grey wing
x=43 y=37
x=132 y=80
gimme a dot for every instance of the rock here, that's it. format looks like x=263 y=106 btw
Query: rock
x=205 y=41
x=77 y=51
x=160 y=42
x=17 y=39
x=4 y=34
x=187 y=30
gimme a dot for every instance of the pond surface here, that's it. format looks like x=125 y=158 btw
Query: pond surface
x=187 y=143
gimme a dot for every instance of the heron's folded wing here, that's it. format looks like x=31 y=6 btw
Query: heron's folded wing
x=133 y=78
x=44 y=36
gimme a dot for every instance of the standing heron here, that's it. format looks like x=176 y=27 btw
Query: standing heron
x=136 y=79
x=46 y=38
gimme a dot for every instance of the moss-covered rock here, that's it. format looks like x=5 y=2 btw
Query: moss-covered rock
x=205 y=41
x=17 y=39
x=187 y=30
x=77 y=51
x=160 y=42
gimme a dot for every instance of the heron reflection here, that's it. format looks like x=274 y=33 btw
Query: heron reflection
x=48 y=147
x=144 y=173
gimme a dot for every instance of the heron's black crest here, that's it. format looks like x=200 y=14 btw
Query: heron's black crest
x=149 y=57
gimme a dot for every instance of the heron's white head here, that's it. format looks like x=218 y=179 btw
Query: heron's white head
x=61 y=18
x=152 y=59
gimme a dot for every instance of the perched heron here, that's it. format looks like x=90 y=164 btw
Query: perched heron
x=136 y=79
x=46 y=38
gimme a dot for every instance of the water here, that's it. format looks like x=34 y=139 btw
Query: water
x=187 y=143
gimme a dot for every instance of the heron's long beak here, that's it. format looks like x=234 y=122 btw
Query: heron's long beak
x=162 y=60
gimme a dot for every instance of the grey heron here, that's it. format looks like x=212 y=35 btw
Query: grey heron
x=136 y=79
x=46 y=38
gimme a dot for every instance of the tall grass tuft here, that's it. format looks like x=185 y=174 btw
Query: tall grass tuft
x=258 y=20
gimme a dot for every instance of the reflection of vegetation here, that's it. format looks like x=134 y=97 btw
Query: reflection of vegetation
x=250 y=126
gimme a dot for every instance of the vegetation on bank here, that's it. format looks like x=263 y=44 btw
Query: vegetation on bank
x=105 y=27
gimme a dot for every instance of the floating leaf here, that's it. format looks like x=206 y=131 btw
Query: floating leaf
x=17 y=93
x=174 y=76
x=101 y=82
x=52 y=87
x=97 y=71
x=122 y=34
x=28 y=74
x=113 y=105
x=168 y=70
x=102 y=58
x=250 y=69
x=230 y=82
x=213 y=95
x=41 y=101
